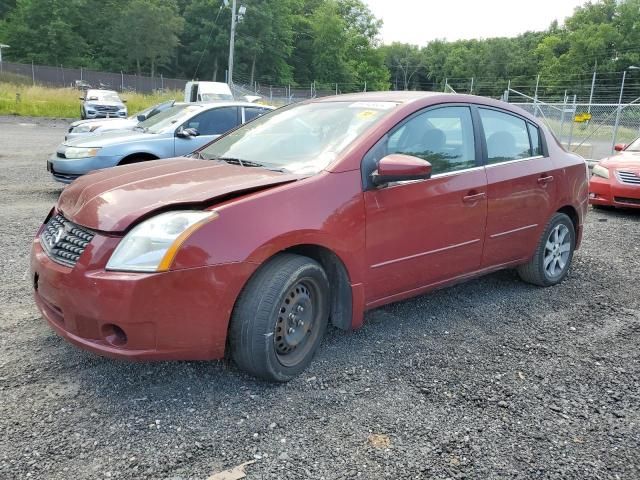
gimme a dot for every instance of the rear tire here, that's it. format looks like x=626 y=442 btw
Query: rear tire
x=552 y=259
x=280 y=318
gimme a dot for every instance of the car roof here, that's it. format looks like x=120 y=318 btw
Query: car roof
x=391 y=96
x=229 y=103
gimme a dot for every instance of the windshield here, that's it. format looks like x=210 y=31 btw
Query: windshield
x=301 y=138
x=634 y=146
x=168 y=119
x=211 y=97
x=103 y=96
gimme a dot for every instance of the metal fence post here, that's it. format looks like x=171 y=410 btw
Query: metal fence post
x=535 y=97
x=618 y=112
x=564 y=108
x=506 y=94
x=161 y=83
x=62 y=71
x=573 y=115
x=80 y=73
x=471 y=89
x=121 y=81
x=33 y=73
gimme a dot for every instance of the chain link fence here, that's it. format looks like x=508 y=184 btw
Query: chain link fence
x=589 y=129
x=73 y=77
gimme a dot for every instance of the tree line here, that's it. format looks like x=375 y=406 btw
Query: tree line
x=298 y=42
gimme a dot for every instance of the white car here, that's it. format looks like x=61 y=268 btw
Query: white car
x=100 y=125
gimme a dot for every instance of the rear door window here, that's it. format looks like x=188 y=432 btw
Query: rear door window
x=536 y=145
x=506 y=135
x=253 y=112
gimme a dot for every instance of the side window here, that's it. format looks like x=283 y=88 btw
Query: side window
x=442 y=136
x=536 y=146
x=506 y=135
x=253 y=112
x=215 y=121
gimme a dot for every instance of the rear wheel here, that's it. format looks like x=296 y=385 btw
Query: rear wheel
x=551 y=261
x=280 y=318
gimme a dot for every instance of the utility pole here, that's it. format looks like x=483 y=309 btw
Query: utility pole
x=1 y=47
x=232 y=41
x=236 y=16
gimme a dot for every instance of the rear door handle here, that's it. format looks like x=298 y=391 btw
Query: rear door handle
x=544 y=180
x=473 y=197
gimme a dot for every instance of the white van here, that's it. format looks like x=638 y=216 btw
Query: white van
x=207 y=92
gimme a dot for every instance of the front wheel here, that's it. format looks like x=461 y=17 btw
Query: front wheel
x=550 y=263
x=280 y=318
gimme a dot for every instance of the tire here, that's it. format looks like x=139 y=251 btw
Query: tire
x=280 y=318
x=542 y=271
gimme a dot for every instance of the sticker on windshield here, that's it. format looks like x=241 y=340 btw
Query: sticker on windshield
x=366 y=114
x=373 y=105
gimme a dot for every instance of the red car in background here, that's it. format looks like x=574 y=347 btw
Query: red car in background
x=309 y=215
x=616 y=180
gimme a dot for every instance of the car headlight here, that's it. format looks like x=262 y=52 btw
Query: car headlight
x=600 y=171
x=85 y=128
x=77 y=152
x=152 y=245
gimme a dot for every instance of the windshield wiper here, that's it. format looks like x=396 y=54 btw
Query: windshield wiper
x=197 y=155
x=248 y=163
x=142 y=129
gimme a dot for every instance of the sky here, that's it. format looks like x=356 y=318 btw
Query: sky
x=420 y=21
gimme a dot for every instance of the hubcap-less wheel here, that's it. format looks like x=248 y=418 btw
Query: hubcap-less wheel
x=557 y=251
x=294 y=330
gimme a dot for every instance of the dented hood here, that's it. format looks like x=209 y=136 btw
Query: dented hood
x=111 y=200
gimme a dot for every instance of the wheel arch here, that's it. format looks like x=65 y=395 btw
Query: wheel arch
x=339 y=281
x=572 y=213
x=139 y=156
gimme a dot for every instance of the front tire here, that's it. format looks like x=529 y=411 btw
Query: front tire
x=550 y=263
x=280 y=318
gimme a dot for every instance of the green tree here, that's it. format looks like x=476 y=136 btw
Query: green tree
x=147 y=33
x=43 y=31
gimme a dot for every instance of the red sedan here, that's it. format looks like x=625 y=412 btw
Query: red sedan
x=307 y=216
x=616 y=180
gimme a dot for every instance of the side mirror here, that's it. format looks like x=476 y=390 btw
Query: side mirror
x=81 y=98
x=187 y=132
x=397 y=167
x=620 y=147
x=141 y=118
x=124 y=101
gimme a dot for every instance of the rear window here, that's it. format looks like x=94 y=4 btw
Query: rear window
x=506 y=135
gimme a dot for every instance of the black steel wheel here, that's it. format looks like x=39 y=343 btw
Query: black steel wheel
x=280 y=318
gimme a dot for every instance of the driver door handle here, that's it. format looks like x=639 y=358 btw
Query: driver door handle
x=473 y=197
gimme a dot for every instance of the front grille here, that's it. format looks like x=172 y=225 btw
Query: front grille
x=105 y=108
x=632 y=201
x=64 y=241
x=629 y=177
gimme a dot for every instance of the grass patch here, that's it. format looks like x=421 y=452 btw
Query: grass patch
x=39 y=101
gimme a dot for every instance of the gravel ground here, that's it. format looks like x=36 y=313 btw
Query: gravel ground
x=490 y=379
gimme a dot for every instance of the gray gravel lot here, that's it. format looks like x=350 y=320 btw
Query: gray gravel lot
x=490 y=379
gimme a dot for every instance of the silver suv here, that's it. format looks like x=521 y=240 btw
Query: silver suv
x=102 y=104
